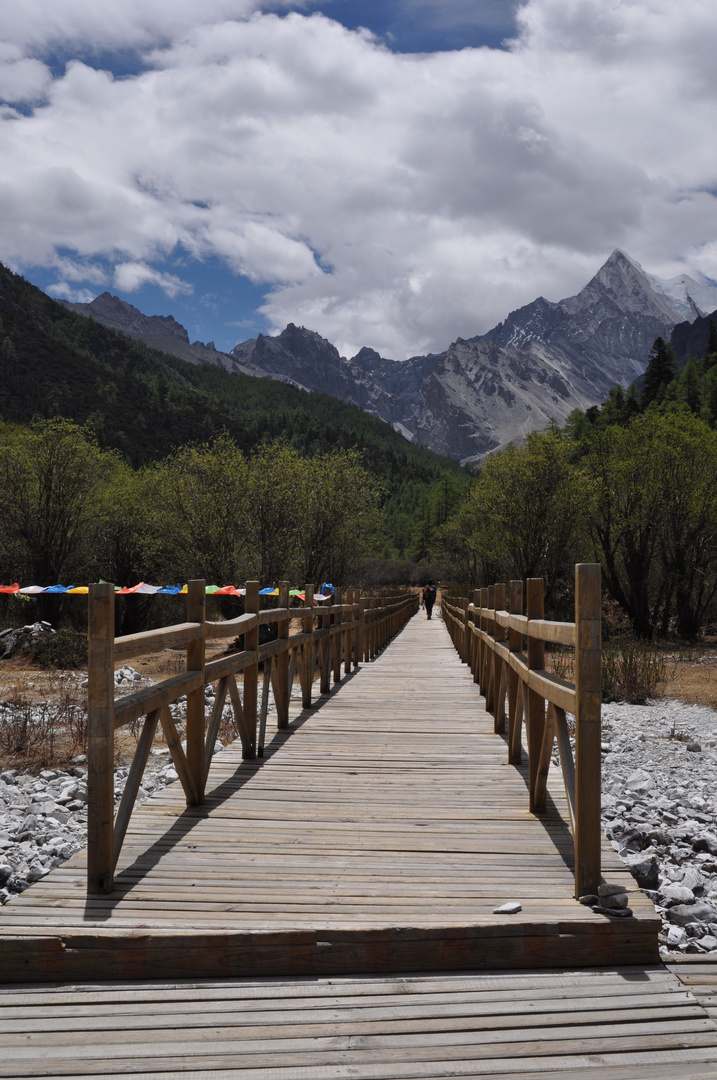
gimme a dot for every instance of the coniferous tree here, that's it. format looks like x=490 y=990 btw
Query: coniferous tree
x=661 y=370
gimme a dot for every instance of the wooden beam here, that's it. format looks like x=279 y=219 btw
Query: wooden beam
x=283 y=689
x=196 y=602
x=535 y=712
x=100 y=738
x=133 y=781
x=588 y=658
x=251 y=672
x=166 y=637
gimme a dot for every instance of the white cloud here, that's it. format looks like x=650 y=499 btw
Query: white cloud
x=53 y=24
x=64 y=291
x=132 y=275
x=392 y=200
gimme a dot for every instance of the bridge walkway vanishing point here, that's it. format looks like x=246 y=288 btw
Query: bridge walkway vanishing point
x=377 y=835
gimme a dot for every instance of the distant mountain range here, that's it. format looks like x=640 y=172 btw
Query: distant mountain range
x=538 y=365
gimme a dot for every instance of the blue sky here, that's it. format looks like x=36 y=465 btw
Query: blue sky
x=388 y=174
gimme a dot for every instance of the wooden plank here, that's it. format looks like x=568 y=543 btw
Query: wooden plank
x=588 y=657
x=134 y=779
x=149 y=641
x=534 y=700
x=553 y=688
x=196 y=606
x=100 y=738
x=154 y=697
x=232 y=627
x=560 y=633
x=179 y=759
x=214 y=722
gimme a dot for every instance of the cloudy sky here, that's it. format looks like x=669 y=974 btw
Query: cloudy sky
x=392 y=173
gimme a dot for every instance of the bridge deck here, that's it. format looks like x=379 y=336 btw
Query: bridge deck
x=377 y=838
x=613 y=1024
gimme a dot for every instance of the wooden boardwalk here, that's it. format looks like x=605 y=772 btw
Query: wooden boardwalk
x=612 y=1024
x=377 y=835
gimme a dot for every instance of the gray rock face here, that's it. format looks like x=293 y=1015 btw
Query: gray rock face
x=161 y=332
x=538 y=365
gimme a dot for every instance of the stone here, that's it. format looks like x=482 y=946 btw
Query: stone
x=676 y=935
x=678 y=894
x=645 y=870
x=511 y=908
x=610 y=890
x=682 y=914
x=615 y=900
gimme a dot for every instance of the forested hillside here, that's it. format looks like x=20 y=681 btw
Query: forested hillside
x=144 y=404
x=631 y=484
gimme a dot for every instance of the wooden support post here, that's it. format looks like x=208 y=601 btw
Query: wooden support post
x=348 y=637
x=355 y=628
x=307 y=666
x=498 y=666
x=196 y=600
x=361 y=632
x=100 y=739
x=535 y=712
x=324 y=651
x=337 y=638
x=465 y=652
x=588 y=657
x=473 y=597
x=251 y=673
x=515 y=708
x=282 y=663
x=482 y=678
x=490 y=655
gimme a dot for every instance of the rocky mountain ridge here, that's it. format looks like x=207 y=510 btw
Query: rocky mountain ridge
x=161 y=332
x=544 y=360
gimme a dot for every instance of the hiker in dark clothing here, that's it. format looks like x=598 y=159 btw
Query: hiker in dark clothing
x=429 y=599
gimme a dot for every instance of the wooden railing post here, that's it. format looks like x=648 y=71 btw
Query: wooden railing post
x=196 y=601
x=588 y=657
x=361 y=646
x=474 y=593
x=100 y=739
x=483 y=622
x=307 y=650
x=535 y=718
x=324 y=649
x=498 y=673
x=465 y=651
x=251 y=673
x=338 y=638
x=490 y=655
x=348 y=636
x=282 y=663
x=515 y=702
x=355 y=632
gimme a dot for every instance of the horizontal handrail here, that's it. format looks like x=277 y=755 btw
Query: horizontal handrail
x=149 y=641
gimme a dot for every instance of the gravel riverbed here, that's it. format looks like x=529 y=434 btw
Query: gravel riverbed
x=659 y=809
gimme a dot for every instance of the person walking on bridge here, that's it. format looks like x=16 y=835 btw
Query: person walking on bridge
x=429 y=598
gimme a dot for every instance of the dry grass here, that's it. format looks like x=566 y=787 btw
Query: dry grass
x=694 y=678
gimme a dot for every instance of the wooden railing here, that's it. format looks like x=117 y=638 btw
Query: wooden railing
x=351 y=630
x=503 y=642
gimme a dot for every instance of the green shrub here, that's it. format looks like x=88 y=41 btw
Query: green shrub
x=65 y=649
x=632 y=670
